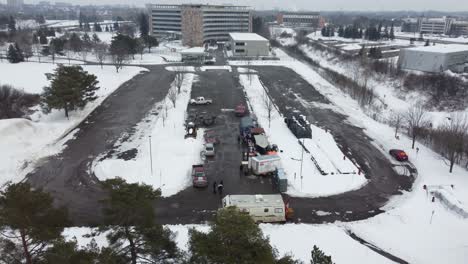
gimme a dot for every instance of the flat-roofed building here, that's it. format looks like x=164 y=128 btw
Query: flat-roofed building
x=300 y=20
x=249 y=44
x=435 y=59
x=435 y=25
x=197 y=24
x=459 y=28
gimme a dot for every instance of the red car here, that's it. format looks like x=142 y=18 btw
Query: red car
x=399 y=154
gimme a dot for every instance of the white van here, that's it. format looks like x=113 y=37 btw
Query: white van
x=266 y=208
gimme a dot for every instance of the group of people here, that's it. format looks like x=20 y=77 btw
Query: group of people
x=218 y=187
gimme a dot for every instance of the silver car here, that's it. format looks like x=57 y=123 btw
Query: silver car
x=209 y=150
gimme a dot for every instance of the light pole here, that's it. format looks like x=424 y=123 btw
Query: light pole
x=151 y=156
x=301 y=160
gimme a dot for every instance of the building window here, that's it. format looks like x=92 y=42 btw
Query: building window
x=240 y=50
x=278 y=210
x=240 y=43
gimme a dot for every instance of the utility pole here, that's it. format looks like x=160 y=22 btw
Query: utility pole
x=151 y=156
x=302 y=160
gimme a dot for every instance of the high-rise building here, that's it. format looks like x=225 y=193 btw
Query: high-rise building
x=197 y=24
x=15 y=4
x=435 y=25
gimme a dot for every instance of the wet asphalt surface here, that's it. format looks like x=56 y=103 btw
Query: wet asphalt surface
x=68 y=178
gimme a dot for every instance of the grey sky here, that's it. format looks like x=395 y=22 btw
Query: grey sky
x=345 y=5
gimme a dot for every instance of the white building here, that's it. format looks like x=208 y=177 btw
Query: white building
x=435 y=58
x=435 y=25
x=249 y=44
x=197 y=24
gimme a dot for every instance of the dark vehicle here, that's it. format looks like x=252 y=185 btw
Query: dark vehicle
x=298 y=124
x=240 y=110
x=399 y=154
x=198 y=176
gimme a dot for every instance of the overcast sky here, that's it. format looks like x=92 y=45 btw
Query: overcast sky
x=325 y=5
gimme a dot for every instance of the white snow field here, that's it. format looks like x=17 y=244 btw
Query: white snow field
x=29 y=140
x=173 y=155
x=405 y=230
x=293 y=239
x=322 y=146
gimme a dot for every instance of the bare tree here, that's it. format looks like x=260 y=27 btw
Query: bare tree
x=172 y=95
x=38 y=51
x=396 y=121
x=416 y=121
x=119 y=60
x=84 y=53
x=100 y=51
x=178 y=81
x=269 y=107
x=454 y=133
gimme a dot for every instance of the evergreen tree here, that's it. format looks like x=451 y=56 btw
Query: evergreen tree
x=116 y=25
x=76 y=44
x=386 y=35
x=14 y=54
x=379 y=31
x=151 y=42
x=133 y=234
x=392 y=32
x=319 y=257
x=360 y=33
x=19 y=51
x=35 y=39
x=43 y=39
x=28 y=222
x=70 y=87
x=87 y=27
x=107 y=28
x=324 y=32
x=87 y=43
x=234 y=238
x=120 y=48
x=144 y=24
x=427 y=43
x=96 y=38
x=97 y=27
x=68 y=252
x=341 y=31
x=12 y=25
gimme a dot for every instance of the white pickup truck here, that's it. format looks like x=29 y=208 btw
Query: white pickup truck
x=201 y=101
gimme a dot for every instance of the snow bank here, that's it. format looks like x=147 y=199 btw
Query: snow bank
x=181 y=68
x=173 y=155
x=210 y=68
x=313 y=183
x=29 y=141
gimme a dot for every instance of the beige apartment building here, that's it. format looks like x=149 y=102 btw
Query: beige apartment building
x=197 y=24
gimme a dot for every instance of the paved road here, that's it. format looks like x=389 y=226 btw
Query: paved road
x=66 y=176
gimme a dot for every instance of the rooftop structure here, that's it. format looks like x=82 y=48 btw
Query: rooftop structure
x=435 y=59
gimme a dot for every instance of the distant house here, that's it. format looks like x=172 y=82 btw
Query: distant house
x=435 y=59
x=249 y=44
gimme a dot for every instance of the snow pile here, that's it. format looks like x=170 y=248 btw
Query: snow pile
x=181 y=68
x=172 y=154
x=245 y=70
x=313 y=183
x=210 y=68
x=29 y=141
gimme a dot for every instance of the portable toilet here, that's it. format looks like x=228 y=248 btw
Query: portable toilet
x=281 y=180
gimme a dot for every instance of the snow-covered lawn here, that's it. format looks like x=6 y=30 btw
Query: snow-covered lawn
x=294 y=239
x=173 y=155
x=322 y=146
x=29 y=140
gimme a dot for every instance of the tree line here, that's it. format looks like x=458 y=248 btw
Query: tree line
x=371 y=32
x=32 y=232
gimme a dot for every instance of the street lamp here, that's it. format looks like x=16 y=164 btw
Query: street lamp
x=301 y=160
x=151 y=156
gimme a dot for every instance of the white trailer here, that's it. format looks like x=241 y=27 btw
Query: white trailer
x=261 y=165
x=266 y=208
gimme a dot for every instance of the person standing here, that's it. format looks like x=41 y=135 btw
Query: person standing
x=214 y=187
x=220 y=187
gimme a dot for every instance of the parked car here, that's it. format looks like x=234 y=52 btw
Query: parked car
x=399 y=154
x=198 y=176
x=201 y=101
x=209 y=150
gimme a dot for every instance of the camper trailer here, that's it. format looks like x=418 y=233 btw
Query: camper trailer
x=266 y=208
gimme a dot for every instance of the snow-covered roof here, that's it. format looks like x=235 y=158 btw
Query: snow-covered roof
x=442 y=48
x=246 y=37
x=194 y=50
